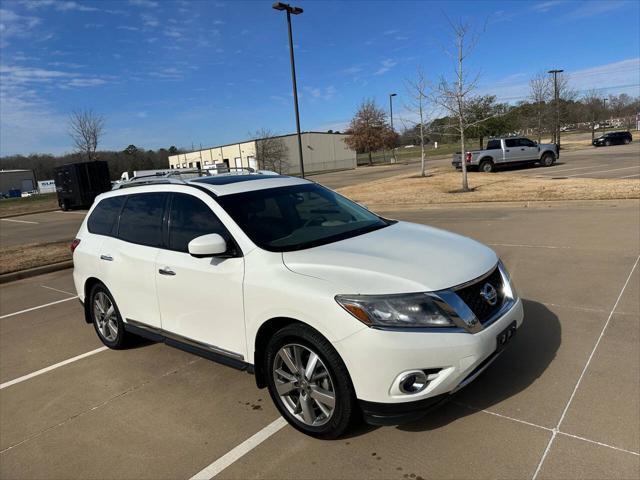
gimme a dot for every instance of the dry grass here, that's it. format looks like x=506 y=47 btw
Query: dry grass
x=444 y=187
x=35 y=203
x=21 y=257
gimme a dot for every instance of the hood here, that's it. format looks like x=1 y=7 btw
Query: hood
x=403 y=257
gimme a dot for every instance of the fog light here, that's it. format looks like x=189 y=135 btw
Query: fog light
x=413 y=382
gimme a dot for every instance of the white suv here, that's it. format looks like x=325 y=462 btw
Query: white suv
x=338 y=311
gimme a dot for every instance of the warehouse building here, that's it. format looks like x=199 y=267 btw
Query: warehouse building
x=322 y=152
x=17 y=181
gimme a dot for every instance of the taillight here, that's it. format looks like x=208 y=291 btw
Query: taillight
x=74 y=244
x=468 y=157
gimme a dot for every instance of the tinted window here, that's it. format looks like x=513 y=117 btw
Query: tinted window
x=190 y=218
x=525 y=142
x=298 y=217
x=512 y=142
x=141 y=219
x=493 y=145
x=103 y=218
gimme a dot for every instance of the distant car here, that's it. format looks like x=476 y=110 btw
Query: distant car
x=613 y=138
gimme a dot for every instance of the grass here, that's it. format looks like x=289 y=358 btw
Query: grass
x=21 y=257
x=25 y=205
x=444 y=187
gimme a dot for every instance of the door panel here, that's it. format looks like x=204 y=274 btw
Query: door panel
x=130 y=276
x=203 y=299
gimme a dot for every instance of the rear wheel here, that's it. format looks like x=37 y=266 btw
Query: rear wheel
x=547 y=160
x=627 y=141
x=309 y=383
x=106 y=318
x=486 y=166
x=607 y=143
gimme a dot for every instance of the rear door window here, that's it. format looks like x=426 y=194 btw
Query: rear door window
x=512 y=142
x=189 y=218
x=141 y=219
x=103 y=219
x=525 y=142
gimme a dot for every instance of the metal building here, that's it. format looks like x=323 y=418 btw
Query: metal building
x=21 y=180
x=322 y=152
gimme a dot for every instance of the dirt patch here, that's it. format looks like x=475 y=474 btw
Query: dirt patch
x=35 y=203
x=21 y=257
x=445 y=187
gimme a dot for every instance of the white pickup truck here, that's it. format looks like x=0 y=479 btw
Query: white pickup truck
x=508 y=151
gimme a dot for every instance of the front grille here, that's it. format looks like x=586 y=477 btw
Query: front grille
x=470 y=295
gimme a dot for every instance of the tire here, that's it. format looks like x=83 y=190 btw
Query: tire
x=486 y=166
x=547 y=160
x=607 y=143
x=627 y=141
x=64 y=206
x=101 y=302
x=333 y=408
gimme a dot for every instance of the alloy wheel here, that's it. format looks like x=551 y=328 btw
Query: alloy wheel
x=304 y=384
x=104 y=315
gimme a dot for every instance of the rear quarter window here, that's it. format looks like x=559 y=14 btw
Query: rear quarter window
x=493 y=145
x=104 y=217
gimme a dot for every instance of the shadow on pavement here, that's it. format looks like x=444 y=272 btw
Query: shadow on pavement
x=522 y=363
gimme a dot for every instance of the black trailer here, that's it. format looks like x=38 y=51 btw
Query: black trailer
x=78 y=184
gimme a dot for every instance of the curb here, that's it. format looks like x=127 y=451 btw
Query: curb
x=30 y=213
x=32 y=272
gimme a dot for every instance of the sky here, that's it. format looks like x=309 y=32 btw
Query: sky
x=191 y=73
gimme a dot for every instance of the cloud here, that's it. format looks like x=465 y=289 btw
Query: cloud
x=592 y=9
x=86 y=82
x=144 y=3
x=13 y=25
x=545 y=6
x=149 y=20
x=326 y=93
x=93 y=25
x=60 y=5
x=386 y=65
x=390 y=32
x=170 y=73
x=127 y=27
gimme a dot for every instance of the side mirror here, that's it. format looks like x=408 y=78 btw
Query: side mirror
x=209 y=245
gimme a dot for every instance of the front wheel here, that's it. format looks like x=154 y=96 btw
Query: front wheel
x=309 y=383
x=547 y=160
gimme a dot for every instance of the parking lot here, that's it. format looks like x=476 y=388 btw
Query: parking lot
x=561 y=402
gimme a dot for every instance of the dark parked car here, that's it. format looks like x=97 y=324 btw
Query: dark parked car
x=612 y=138
x=78 y=184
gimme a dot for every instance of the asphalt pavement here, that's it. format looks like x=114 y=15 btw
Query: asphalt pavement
x=561 y=402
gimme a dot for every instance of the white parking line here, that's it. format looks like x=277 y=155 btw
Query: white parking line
x=51 y=367
x=526 y=246
x=57 y=290
x=75 y=213
x=631 y=176
x=38 y=307
x=17 y=221
x=602 y=171
x=584 y=370
x=240 y=451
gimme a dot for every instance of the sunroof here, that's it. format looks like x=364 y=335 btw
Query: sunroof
x=227 y=179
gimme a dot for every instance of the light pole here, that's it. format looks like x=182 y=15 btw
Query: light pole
x=557 y=100
x=393 y=156
x=295 y=11
x=604 y=124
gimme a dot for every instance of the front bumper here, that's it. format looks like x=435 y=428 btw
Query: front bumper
x=375 y=359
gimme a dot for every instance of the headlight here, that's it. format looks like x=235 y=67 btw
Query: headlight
x=508 y=287
x=405 y=310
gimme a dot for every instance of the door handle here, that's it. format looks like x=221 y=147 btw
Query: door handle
x=166 y=271
x=522 y=149
x=108 y=258
x=506 y=150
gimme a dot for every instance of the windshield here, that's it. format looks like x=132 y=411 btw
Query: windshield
x=297 y=217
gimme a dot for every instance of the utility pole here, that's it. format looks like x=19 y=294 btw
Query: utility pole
x=393 y=155
x=604 y=124
x=557 y=101
x=296 y=11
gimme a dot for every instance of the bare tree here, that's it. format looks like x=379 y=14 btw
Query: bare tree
x=417 y=92
x=453 y=95
x=539 y=92
x=86 y=129
x=592 y=105
x=369 y=130
x=271 y=151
